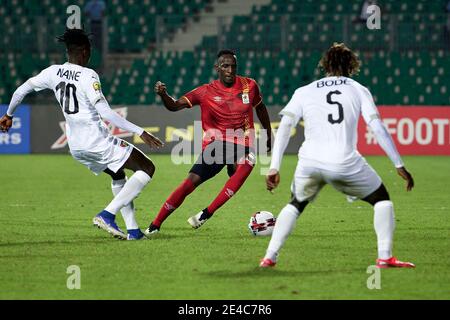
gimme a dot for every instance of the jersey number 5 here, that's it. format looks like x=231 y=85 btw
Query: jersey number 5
x=64 y=97
x=340 y=109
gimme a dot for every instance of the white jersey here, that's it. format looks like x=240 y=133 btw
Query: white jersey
x=330 y=108
x=77 y=90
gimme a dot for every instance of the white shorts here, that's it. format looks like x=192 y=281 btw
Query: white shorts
x=309 y=180
x=113 y=156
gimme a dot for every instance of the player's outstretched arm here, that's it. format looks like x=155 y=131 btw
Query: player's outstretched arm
x=384 y=139
x=263 y=116
x=279 y=146
x=107 y=113
x=170 y=103
x=20 y=93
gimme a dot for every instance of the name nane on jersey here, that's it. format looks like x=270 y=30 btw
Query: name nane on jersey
x=69 y=74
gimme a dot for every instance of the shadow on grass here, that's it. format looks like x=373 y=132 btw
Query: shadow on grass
x=166 y=236
x=59 y=242
x=96 y=240
x=271 y=273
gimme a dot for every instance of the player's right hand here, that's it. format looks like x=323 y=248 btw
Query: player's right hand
x=160 y=88
x=272 y=179
x=151 y=140
x=402 y=172
x=5 y=123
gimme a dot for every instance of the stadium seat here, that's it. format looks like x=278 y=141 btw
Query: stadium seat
x=282 y=40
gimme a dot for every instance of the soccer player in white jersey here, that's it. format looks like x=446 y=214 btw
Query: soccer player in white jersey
x=330 y=108
x=79 y=93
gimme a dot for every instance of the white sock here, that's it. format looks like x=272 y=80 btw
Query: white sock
x=129 y=192
x=384 y=223
x=128 y=210
x=283 y=227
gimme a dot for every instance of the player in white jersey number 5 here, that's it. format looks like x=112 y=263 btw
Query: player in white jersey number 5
x=78 y=91
x=330 y=108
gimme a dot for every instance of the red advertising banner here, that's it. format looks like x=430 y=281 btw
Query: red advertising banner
x=416 y=130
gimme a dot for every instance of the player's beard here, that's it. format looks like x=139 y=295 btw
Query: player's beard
x=229 y=80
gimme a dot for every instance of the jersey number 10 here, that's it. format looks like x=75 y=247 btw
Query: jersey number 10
x=64 y=97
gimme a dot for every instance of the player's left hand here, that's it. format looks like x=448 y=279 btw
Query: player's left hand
x=272 y=179
x=5 y=123
x=151 y=140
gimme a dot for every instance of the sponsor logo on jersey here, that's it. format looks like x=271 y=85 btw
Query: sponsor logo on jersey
x=217 y=99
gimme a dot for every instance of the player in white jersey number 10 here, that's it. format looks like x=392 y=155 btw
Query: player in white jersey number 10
x=79 y=94
x=330 y=108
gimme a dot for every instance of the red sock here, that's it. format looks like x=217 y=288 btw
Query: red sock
x=174 y=201
x=232 y=186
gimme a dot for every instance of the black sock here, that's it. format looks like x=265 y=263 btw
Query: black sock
x=205 y=214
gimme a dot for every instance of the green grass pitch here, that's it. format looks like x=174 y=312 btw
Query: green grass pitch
x=48 y=202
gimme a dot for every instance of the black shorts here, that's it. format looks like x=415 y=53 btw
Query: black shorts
x=217 y=155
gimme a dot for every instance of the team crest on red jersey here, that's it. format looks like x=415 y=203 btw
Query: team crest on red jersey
x=245 y=98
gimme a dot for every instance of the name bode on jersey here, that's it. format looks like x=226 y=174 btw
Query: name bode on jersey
x=330 y=83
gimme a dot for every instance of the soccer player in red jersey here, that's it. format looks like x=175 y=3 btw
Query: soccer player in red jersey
x=227 y=119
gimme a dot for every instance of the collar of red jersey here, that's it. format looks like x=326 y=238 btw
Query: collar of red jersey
x=236 y=86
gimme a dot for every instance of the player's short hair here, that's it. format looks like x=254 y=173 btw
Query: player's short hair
x=75 y=40
x=339 y=60
x=225 y=52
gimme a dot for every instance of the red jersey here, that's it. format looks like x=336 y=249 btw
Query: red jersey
x=227 y=113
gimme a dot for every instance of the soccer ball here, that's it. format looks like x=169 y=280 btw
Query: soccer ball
x=262 y=223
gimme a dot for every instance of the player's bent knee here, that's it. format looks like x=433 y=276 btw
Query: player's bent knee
x=378 y=195
x=300 y=205
x=119 y=175
x=195 y=179
x=146 y=165
x=150 y=168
